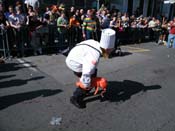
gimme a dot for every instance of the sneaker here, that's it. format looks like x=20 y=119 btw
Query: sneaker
x=164 y=43
x=78 y=103
x=159 y=42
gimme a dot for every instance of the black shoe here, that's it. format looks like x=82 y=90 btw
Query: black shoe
x=77 y=103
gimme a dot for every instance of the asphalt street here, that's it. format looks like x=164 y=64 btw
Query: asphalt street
x=35 y=92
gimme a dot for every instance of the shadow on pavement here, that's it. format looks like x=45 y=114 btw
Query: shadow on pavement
x=17 y=82
x=10 y=100
x=122 y=91
x=120 y=54
x=6 y=76
x=12 y=67
x=113 y=54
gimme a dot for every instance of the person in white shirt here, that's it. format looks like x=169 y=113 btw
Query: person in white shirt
x=34 y=3
x=151 y=26
x=83 y=60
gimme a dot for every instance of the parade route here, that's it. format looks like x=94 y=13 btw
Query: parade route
x=35 y=92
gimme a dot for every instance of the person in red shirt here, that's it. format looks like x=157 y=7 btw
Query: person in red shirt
x=171 y=36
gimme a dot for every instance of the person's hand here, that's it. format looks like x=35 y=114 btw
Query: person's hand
x=84 y=36
x=65 y=26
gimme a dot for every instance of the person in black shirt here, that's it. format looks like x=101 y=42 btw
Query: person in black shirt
x=3 y=21
x=3 y=26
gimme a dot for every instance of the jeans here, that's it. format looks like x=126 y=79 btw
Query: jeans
x=89 y=35
x=171 y=37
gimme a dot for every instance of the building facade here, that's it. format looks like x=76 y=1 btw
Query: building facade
x=155 y=8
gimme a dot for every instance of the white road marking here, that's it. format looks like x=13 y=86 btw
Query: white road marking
x=136 y=49
x=27 y=65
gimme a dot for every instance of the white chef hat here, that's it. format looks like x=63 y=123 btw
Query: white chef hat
x=107 y=38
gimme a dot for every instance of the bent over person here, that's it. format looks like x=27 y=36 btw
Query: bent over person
x=83 y=60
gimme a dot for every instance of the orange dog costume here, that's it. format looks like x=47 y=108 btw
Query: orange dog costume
x=96 y=82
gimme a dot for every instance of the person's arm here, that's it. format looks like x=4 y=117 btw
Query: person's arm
x=90 y=63
x=84 y=29
x=111 y=24
x=13 y=25
x=7 y=23
x=77 y=23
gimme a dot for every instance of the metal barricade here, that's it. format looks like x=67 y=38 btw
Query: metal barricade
x=4 y=44
x=58 y=41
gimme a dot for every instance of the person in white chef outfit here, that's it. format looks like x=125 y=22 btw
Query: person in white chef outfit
x=83 y=60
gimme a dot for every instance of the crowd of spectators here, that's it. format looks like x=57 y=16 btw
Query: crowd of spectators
x=29 y=27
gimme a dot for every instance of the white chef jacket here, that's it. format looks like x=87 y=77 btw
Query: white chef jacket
x=84 y=57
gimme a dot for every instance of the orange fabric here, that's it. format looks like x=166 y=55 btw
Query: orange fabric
x=97 y=82
x=73 y=22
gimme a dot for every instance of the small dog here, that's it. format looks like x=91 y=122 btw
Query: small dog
x=96 y=82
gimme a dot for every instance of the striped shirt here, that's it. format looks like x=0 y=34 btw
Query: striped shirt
x=89 y=24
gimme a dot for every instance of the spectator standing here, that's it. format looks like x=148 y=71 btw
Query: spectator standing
x=133 y=31
x=3 y=28
x=106 y=21
x=141 y=29
x=9 y=12
x=47 y=13
x=164 y=31
x=3 y=21
x=23 y=31
x=112 y=23
x=53 y=15
x=125 y=17
x=171 y=36
x=74 y=27
x=151 y=26
x=34 y=28
x=157 y=30
x=82 y=16
x=15 y=26
x=89 y=26
x=62 y=27
x=71 y=12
